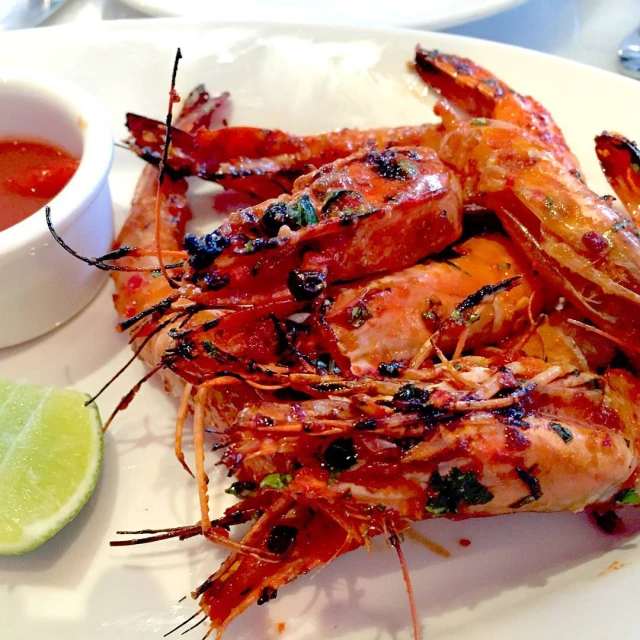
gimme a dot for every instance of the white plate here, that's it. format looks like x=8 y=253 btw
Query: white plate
x=428 y=14
x=523 y=576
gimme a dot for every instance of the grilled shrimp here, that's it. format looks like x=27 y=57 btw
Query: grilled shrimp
x=561 y=338
x=263 y=161
x=371 y=456
x=480 y=295
x=140 y=290
x=620 y=161
x=480 y=94
x=317 y=317
x=402 y=317
x=586 y=249
x=370 y=212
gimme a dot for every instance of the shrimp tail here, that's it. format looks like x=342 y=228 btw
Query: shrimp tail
x=620 y=161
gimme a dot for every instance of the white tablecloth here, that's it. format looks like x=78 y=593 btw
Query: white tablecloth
x=585 y=30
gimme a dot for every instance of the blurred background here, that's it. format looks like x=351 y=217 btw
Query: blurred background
x=589 y=31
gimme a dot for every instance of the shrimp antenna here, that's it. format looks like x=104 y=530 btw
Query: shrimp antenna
x=187 y=621
x=136 y=353
x=101 y=261
x=129 y=396
x=173 y=98
x=395 y=543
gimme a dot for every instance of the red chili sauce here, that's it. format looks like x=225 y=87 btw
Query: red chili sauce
x=32 y=173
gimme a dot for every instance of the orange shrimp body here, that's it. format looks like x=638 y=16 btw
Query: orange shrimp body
x=479 y=93
x=557 y=341
x=327 y=474
x=246 y=158
x=585 y=248
x=620 y=161
x=370 y=212
x=306 y=331
x=389 y=319
x=484 y=292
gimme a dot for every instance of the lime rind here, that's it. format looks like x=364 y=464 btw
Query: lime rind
x=49 y=465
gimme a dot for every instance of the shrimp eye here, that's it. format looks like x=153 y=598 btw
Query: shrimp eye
x=306 y=285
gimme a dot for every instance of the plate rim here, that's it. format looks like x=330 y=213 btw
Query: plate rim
x=476 y=11
x=128 y=25
x=131 y=28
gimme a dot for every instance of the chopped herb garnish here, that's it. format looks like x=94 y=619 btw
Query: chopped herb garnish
x=431 y=314
x=276 y=480
x=618 y=226
x=563 y=432
x=550 y=204
x=410 y=168
x=532 y=482
x=295 y=215
x=241 y=489
x=474 y=317
x=303 y=212
x=358 y=314
x=455 y=489
x=337 y=196
x=390 y=167
x=479 y=122
x=627 y=496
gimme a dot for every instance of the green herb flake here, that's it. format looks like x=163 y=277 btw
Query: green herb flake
x=473 y=318
x=276 y=480
x=336 y=195
x=619 y=226
x=479 y=122
x=563 y=432
x=454 y=489
x=627 y=496
x=242 y=489
x=504 y=266
x=550 y=205
x=156 y=273
x=409 y=169
x=210 y=348
x=250 y=247
x=430 y=315
x=359 y=314
x=303 y=212
x=455 y=315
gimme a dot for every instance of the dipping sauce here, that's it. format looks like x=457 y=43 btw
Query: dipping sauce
x=32 y=173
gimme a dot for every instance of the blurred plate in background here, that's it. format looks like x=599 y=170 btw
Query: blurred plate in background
x=432 y=14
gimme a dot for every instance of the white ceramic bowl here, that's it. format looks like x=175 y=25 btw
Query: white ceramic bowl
x=41 y=285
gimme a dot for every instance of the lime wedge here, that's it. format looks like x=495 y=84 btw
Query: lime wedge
x=50 y=459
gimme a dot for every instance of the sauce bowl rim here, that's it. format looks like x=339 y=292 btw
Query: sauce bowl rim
x=95 y=162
